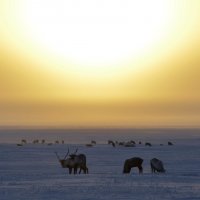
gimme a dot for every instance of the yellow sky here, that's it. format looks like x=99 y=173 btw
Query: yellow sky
x=100 y=63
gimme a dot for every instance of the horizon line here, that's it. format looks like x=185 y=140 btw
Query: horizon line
x=95 y=127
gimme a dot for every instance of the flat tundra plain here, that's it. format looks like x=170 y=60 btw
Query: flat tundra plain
x=32 y=171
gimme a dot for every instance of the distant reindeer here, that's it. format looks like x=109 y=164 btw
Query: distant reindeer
x=23 y=141
x=73 y=162
x=133 y=162
x=111 y=142
x=43 y=141
x=89 y=145
x=56 y=142
x=63 y=142
x=121 y=143
x=133 y=142
x=156 y=165
x=35 y=141
x=93 y=142
x=129 y=144
x=170 y=143
x=148 y=144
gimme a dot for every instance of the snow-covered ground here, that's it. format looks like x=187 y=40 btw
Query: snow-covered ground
x=33 y=172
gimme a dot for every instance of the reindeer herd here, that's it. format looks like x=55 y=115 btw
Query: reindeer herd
x=74 y=161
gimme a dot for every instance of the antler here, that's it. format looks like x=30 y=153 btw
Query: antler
x=57 y=155
x=66 y=154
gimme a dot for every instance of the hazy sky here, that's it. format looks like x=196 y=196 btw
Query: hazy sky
x=90 y=63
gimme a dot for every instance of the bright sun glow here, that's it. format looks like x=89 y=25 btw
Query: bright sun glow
x=99 y=63
x=97 y=33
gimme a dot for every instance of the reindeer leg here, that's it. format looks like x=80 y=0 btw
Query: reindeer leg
x=152 y=171
x=140 y=169
x=75 y=170
x=86 y=170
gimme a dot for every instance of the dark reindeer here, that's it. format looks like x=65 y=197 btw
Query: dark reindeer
x=73 y=162
x=133 y=162
x=93 y=142
x=156 y=165
x=23 y=141
x=148 y=144
x=111 y=142
x=170 y=143
x=129 y=144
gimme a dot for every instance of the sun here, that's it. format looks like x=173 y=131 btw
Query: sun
x=96 y=34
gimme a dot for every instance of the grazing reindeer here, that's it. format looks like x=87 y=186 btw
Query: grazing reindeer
x=129 y=144
x=133 y=162
x=23 y=141
x=89 y=145
x=148 y=144
x=133 y=142
x=111 y=142
x=73 y=162
x=93 y=142
x=156 y=165
x=170 y=143
x=35 y=141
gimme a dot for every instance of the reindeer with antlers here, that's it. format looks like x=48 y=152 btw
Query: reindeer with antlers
x=73 y=162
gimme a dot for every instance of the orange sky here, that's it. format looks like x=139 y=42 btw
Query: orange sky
x=102 y=64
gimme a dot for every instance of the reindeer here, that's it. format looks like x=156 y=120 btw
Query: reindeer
x=129 y=144
x=170 y=143
x=35 y=141
x=111 y=142
x=89 y=145
x=23 y=141
x=133 y=162
x=93 y=142
x=121 y=143
x=133 y=142
x=148 y=144
x=156 y=165
x=73 y=162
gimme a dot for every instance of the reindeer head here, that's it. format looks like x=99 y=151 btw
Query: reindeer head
x=63 y=161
